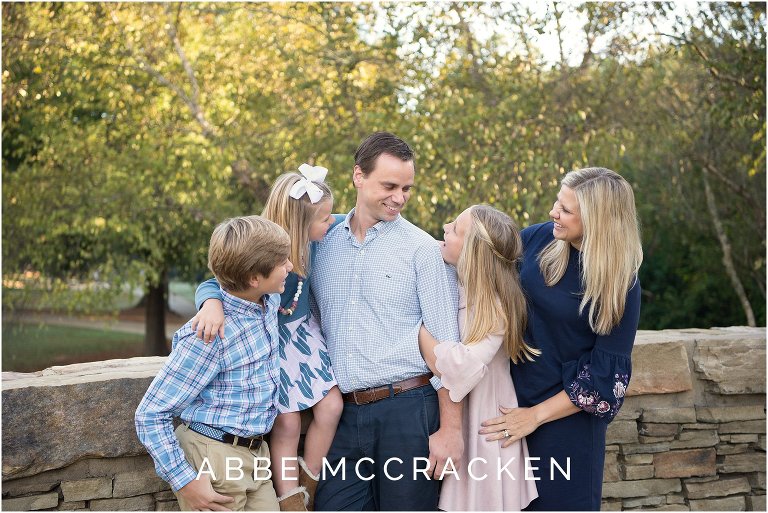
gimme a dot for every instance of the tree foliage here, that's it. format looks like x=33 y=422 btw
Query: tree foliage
x=130 y=130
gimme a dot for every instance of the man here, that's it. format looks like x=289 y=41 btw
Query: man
x=376 y=278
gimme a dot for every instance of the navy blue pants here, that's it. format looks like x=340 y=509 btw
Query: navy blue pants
x=371 y=440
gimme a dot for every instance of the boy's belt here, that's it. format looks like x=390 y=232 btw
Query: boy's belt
x=371 y=395
x=253 y=442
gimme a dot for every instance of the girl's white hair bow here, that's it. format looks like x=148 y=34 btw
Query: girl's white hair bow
x=312 y=175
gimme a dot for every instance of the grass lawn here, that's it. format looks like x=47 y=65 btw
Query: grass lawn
x=32 y=347
x=81 y=301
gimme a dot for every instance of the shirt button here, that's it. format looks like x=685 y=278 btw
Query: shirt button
x=362 y=252
x=352 y=302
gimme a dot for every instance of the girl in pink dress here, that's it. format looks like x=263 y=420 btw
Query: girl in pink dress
x=484 y=244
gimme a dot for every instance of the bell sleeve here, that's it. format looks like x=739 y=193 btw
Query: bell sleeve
x=462 y=367
x=598 y=380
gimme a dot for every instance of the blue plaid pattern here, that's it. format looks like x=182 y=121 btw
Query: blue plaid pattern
x=229 y=385
x=372 y=298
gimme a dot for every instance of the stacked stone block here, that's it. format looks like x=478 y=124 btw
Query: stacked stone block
x=691 y=437
x=96 y=484
x=69 y=442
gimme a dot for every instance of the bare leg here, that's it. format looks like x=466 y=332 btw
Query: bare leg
x=320 y=432
x=284 y=447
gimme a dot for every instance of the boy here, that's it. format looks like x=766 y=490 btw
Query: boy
x=224 y=392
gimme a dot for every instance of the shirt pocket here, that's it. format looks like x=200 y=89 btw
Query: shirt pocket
x=391 y=293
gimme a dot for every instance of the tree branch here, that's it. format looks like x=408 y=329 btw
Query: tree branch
x=145 y=66
x=716 y=73
x=725 y=245
x=737 y=188
x=194 y=101
x=558 y=15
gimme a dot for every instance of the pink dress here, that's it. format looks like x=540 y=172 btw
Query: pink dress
x=481 y=373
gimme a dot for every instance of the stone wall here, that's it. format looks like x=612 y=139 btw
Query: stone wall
x=691 y=434
x=69 y=441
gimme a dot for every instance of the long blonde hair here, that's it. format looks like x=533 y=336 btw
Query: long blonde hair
x=295 y=216
x=487 y=268
x=611 y=251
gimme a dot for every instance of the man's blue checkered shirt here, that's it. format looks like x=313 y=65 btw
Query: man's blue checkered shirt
x=230 y=385
x=374 y=296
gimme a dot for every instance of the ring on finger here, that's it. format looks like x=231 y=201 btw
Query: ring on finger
x=506 y=433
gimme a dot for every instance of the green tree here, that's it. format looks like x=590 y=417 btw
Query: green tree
x=131 y=129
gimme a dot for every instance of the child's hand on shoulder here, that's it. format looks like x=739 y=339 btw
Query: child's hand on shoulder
x=209 y=321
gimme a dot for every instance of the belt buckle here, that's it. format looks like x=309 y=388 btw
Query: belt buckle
x=358 y=401
x=255 y=440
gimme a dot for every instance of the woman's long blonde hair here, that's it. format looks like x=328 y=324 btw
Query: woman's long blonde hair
x=487 y=268
x=611 y=251
x=295 y=216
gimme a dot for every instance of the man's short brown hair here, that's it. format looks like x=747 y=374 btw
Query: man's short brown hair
x=245 y=247
x=378 y=143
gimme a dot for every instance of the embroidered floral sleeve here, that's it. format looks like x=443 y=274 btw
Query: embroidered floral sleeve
x=602 y=393
x=598 y=380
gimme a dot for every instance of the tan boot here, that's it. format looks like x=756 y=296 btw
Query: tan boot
x=309 y=481
x=294 y=500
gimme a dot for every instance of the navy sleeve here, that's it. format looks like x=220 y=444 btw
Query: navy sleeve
x=598 y=380
x=209 y=289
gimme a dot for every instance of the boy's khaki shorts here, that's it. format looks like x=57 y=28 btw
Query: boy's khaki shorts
x=249 y=494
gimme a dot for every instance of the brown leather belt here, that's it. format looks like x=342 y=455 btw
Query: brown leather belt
x=371 y=395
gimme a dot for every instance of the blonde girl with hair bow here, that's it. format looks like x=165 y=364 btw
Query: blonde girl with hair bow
x=301 y=203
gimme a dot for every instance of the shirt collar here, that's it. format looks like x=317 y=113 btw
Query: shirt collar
x=237 y=305
x=380 y=227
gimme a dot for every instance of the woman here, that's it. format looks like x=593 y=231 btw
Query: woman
x=579 y=273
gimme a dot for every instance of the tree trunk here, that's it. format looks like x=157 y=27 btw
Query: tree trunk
x=155 y=343
x=725 y=244
x=142 y=303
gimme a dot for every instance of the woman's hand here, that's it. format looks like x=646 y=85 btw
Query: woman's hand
x=514 y=422
x=209 y=320
x=520 y=422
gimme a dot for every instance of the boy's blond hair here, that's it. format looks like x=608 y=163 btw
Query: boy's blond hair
x=245 y=247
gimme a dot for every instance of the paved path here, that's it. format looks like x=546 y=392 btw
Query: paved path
x=94 y=323
x=178 y=304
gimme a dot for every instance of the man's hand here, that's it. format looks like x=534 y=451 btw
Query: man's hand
x=447 y=442
x=200 y=496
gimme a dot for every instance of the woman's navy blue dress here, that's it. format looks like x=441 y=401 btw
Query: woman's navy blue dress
x=593 y=369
